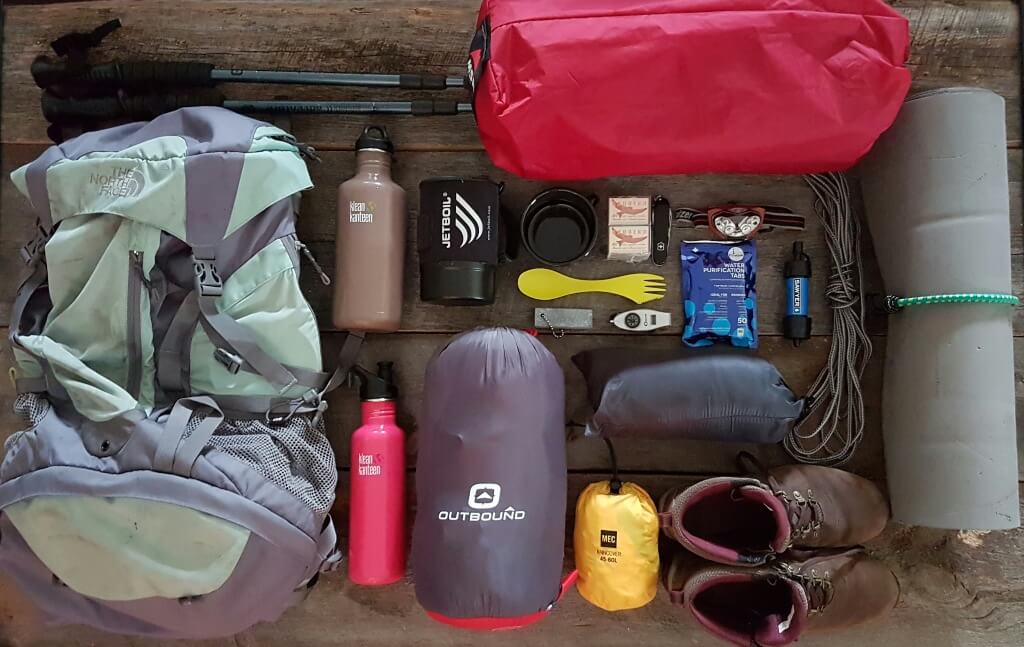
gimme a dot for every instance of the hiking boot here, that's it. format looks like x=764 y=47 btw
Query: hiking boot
x=775 y=605
x=747 y=521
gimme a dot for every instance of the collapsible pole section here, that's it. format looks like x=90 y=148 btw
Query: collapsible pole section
x=403 y=81
x=58 y=110
x=418 y=108
x=154 y=74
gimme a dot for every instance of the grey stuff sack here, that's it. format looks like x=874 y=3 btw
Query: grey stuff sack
x=172 y=478
x=489 y=536
x=719 y=395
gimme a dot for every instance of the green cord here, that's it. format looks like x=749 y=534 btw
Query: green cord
x=898 y=303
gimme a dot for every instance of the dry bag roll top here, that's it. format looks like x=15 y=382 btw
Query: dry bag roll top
x=489 y=536
x=580 y=89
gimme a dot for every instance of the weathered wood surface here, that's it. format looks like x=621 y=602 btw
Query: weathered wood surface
x=955 y=43
x=958 y=588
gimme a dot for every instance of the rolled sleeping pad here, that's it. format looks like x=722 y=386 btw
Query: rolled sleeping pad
x=936 y=196
x=489 y=536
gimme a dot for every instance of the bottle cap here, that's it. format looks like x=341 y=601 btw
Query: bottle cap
x=375 y=137
x=799 y=265
x=377 y=387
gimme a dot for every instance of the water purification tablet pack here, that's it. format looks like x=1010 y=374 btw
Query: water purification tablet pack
x=719 y=295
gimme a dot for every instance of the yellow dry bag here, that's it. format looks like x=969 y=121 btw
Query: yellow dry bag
x=616 y=543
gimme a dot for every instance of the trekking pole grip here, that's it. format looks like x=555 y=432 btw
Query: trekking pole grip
x=57 y=110
x=47 y=73
x=422 y=81
x=427 y=107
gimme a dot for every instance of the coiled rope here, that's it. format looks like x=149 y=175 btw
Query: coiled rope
x=833 y=424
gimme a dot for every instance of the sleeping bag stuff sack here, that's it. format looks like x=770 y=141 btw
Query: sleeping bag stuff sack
x=616 y=545
x=582 y=89
x=489 y=536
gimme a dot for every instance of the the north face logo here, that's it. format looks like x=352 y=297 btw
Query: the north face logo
x=120 y=183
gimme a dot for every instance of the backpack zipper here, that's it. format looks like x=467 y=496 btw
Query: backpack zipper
x=299 y=245
x=305 y=150
x=136 y=281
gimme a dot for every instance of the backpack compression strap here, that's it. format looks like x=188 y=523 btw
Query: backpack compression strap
x=237 y=349
x=34 y=280
x=346 y=360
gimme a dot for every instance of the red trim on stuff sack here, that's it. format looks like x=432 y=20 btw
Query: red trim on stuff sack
x=504 y=624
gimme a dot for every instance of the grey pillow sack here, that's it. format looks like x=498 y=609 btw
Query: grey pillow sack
x=713 y=395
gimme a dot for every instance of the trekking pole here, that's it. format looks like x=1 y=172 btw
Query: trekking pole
x=57 y=110
x=418 y=108
x=134 y=74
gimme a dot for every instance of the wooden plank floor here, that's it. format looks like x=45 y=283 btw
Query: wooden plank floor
x=957 y=588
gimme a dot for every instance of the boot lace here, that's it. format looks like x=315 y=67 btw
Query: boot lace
x=819 y=588
x=806 y=515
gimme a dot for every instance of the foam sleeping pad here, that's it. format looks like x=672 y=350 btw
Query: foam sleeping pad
x=936 y=198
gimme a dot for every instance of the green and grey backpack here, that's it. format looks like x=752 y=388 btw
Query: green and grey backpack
x=173 y=479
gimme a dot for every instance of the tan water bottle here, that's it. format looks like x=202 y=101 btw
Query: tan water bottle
x=370 y=247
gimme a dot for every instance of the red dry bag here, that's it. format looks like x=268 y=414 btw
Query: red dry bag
x=580 y=89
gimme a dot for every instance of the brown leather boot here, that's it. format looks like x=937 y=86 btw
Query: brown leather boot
x=746 y=521
x=775 y=605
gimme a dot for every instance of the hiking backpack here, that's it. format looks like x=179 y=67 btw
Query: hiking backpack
x=174 y=479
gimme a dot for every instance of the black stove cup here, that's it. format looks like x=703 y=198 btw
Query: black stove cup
x=559 y=226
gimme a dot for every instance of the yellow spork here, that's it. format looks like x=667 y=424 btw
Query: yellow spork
x=545 y=285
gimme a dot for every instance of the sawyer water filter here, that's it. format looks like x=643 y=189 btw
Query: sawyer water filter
x=797 y=324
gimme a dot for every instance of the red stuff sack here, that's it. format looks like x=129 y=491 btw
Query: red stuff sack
x=581 y=89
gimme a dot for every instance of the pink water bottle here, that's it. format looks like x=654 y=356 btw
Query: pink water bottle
x=376 y=550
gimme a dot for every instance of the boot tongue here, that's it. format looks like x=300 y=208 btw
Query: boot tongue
x=783 y=529
x=782 y=629
x=775 y=630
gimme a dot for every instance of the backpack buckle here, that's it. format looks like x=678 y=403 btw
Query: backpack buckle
x=230 y=361
x=208 y=282
x=33 y=248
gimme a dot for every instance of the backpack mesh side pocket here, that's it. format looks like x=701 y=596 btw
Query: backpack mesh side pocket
x=296 y=456
x=31 y=408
